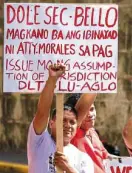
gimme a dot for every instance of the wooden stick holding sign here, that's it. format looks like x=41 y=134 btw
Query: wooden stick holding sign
x=59 y=124
x=59 y=121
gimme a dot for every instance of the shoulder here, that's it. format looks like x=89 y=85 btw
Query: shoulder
x=93 y=131
x=78 y=152
x=72 y=150
x=33 y=136
x=71 y=147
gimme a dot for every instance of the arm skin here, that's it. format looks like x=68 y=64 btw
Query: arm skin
x=127 y=133
x=41 y=119
x=83 y=105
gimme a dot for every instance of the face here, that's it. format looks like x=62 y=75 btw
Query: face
x=89 y=120
x=69 y=127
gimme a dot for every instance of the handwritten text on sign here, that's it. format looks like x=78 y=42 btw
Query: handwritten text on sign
x=82 y=37
x=124 y=165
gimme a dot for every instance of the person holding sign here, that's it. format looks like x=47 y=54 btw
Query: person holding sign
x=127 y=135
x=41 y=146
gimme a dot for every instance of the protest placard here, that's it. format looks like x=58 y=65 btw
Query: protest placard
x=84 y=37
x=121 y=165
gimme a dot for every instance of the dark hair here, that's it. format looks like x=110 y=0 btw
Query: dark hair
x=72 y=100
x=67 y=107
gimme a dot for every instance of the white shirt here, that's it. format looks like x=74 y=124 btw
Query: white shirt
x=41 y=149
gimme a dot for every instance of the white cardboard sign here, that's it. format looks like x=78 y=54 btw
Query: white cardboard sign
x=123 y=165
x=84 y=37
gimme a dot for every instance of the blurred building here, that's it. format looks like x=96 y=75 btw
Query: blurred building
x=17 y=111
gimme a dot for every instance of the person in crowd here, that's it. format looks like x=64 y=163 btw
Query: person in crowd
x=43 y=157
x=86 y=138
x=127 y=135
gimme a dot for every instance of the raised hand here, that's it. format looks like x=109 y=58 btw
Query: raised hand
x=56 y=70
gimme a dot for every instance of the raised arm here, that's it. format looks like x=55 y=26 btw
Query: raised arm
x=127 y=134
x=83 y=105
x=45 y=101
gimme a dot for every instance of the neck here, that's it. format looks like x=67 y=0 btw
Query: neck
x=85 y=130
x=66 y=143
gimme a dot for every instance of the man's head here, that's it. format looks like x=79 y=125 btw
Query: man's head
x=89 y=120
x=69 y=123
